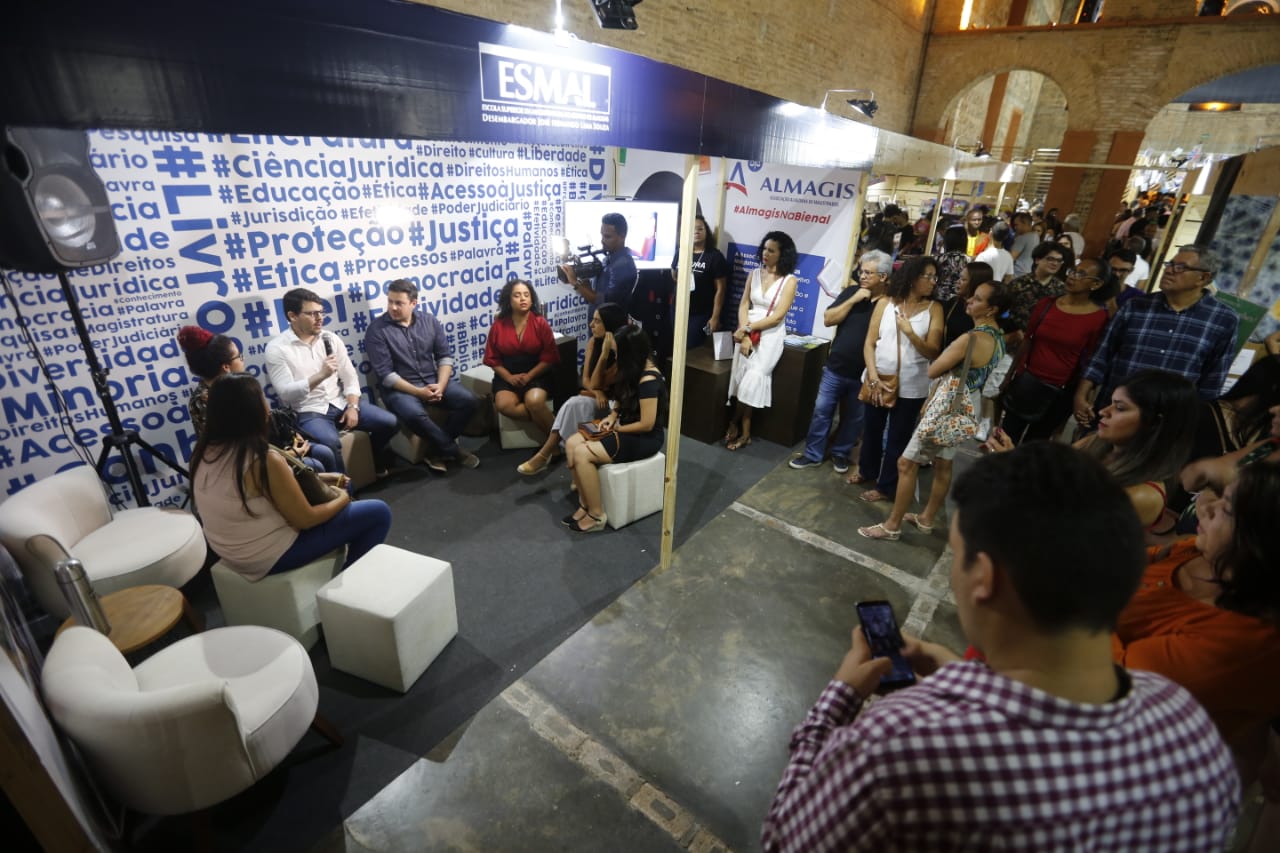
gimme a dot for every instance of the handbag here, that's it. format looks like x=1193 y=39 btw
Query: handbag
x=888 y=387
x=315 y=490
x=1026 y=396
x=754 y=334
x=949 y=417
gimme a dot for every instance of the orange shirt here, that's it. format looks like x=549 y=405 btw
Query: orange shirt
x=1230 y=662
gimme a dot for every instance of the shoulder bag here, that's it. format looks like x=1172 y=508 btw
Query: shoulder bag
x=315 y=490
x=886 y=393
x=1027 y=396
x=949 y=417
x=754 y=334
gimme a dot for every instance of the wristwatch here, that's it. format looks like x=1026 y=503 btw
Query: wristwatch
x=355 y=406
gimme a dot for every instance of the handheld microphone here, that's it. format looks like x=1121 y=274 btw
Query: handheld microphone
x=328 y=344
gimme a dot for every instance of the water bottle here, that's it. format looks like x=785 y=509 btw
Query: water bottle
x=80 y=596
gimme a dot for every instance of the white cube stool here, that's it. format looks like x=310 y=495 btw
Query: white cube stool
x=632 y=490
x=512 y=434
x=389 y=615
x=286 y=601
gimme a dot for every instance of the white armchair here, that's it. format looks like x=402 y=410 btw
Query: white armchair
x=68 y=514
x=195 y=724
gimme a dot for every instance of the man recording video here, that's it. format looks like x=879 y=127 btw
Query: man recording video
x=617 y=281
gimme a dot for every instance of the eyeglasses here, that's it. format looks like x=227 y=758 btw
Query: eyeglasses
x=1177 y=267
x=1078 y=274
x=314 y=315
x=930 y=276
x=868 y=273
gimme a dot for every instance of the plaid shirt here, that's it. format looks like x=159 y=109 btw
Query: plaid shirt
x=969 y=759
x=1197 y=342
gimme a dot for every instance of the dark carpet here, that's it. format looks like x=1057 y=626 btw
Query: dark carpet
x=523 y=584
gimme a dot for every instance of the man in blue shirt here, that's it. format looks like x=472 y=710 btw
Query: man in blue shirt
x=1182 y=329
x=617 y=281
x=410 y=357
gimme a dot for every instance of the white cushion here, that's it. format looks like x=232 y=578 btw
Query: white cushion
x=135 y=547
x=389 y=615
x=632 y=490
x=197 y=723
x=284 y=601
x=268 y=677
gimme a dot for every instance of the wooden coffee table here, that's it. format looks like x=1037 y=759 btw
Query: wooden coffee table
x=143 y=614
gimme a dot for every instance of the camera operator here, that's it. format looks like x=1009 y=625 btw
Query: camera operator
x=617 y=281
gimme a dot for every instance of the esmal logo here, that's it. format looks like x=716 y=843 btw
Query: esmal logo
x=509 y=75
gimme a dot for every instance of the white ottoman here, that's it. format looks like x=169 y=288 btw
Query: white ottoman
x=286 y=602
x=632 y=490
x=512 y=434
x=388 y=616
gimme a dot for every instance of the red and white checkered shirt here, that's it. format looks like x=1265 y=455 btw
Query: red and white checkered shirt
x=969 y=759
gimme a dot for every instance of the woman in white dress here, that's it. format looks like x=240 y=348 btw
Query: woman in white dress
x=770 y=290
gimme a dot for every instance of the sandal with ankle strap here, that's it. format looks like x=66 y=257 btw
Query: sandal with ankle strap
x=595 y=528
x=529 y=468
x=879 y=531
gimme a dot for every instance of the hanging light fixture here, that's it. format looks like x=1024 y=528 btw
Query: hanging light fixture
x=616 y=14
x=863 y=101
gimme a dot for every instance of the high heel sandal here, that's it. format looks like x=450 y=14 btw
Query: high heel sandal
x=595 y=528
x=571 y=520
x=529 y=468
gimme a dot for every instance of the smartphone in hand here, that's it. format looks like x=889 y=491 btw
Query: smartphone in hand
x=880 y=627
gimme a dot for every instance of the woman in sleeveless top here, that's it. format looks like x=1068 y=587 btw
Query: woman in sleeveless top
x=766 y=299
x=904 y=336
x=634 y=429
x=252 y=509
x=591 y=401
x=987 y=303
x=1143 y=437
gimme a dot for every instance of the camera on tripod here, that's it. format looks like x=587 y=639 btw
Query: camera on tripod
x=586 y=262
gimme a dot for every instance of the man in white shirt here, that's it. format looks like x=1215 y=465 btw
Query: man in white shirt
x=312 y=374
x=995 y=254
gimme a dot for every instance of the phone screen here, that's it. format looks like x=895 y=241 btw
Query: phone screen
x=881 y=630
x=591 y=427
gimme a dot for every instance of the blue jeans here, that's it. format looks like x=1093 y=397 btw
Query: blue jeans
x=323 y=429
x=885 y=436
x=831 y=390
x=319 y=458
x=360 y=526
x=457 y=401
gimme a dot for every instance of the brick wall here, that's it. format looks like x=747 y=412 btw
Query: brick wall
x=793 y=50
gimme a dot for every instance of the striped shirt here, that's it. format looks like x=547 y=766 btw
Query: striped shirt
x=970 y=759
x=1197 y=342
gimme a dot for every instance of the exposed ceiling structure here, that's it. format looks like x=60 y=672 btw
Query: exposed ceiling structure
x=1256 y=86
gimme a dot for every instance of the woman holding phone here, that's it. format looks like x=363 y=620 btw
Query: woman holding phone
x=633 y=430
x=592 y=401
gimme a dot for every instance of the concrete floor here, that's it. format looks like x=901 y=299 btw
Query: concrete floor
x=663 y=723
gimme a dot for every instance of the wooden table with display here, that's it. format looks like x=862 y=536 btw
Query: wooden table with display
x=140 y=615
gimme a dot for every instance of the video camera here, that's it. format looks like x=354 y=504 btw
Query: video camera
x=587 y=262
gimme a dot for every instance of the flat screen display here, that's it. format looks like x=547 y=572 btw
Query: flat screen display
x=651 y=228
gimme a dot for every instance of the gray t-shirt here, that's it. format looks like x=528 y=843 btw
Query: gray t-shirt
x=1026 y=243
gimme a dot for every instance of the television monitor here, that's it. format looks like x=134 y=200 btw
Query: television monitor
x=651 y=228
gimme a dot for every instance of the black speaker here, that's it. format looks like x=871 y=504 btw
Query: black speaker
x=54 y=213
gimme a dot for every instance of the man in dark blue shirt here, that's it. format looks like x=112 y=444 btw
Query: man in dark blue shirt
x=410 y=358
x=850 y=313
x=617 y=281
x=1182 y=329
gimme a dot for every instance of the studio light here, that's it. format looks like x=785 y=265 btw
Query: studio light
x=863 y=101
x=616 y=14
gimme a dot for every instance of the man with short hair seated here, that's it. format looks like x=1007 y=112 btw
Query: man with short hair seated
x=1044 y=745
